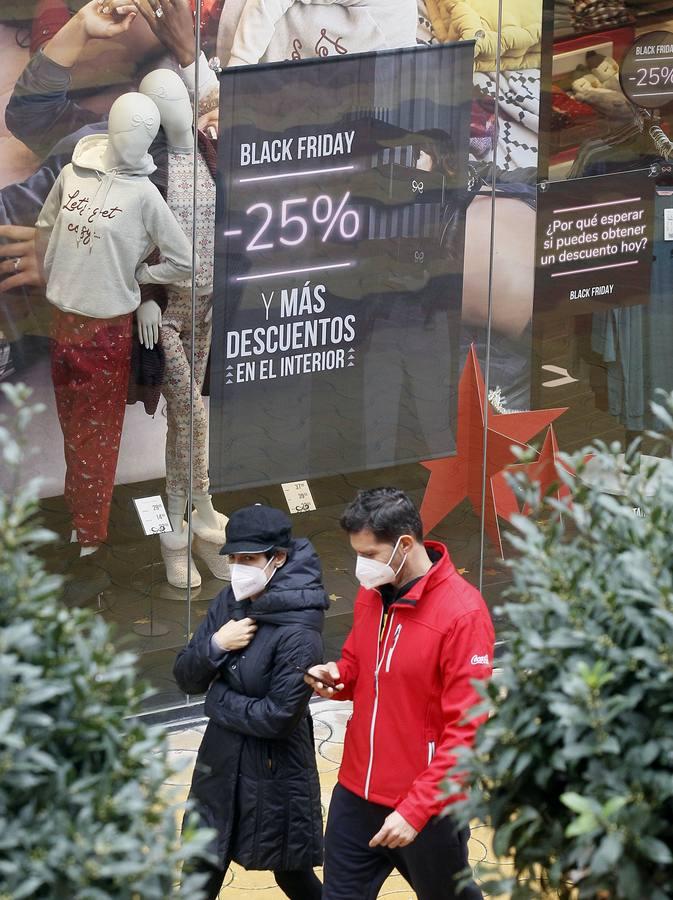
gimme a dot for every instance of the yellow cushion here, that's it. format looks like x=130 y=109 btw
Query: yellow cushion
x=461 y=20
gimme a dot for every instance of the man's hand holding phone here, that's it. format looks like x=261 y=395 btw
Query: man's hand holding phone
x=325 y=679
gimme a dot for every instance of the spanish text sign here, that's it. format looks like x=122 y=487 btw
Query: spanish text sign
x=339 y=252
x=594 y=243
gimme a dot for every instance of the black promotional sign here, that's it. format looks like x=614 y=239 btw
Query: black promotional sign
x=339 y=248
x=646 y=72
x=594 y=243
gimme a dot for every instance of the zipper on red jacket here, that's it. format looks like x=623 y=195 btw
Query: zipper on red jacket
x=398 y=631
x=381 y=643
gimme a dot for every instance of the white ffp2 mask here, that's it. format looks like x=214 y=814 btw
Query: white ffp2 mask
x=246 y=581
x=371 y=573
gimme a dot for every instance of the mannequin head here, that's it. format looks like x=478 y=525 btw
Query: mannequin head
x=133 y=124
x=167 y=90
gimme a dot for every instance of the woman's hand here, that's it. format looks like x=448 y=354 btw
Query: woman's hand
x=99 y=25
x=20 y=267
x=209 y=123
x=68 y=44
x=235 y=635
x=116 y=8
x=171 y=21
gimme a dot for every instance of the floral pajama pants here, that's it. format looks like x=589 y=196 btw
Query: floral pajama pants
x=90 y=364
x=176 y=339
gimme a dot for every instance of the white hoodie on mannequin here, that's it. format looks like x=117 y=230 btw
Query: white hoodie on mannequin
x=101 y=223
x=254 y=31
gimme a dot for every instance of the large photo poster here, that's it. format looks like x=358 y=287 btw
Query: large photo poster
x=338 y=275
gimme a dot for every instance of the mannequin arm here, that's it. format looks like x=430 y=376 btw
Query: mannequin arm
x=165 y=234
x=148 y=316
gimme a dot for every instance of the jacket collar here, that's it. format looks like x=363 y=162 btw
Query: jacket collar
x=441 y=569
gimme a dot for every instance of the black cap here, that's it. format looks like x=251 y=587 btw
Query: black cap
x=256 y=529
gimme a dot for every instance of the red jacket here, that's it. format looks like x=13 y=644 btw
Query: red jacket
x=411 y=688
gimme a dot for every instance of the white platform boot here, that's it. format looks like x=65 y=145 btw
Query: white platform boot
x=208 y=542
x=175 y=553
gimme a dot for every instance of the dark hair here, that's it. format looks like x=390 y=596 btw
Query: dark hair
x=272 y=552
x=387 y=512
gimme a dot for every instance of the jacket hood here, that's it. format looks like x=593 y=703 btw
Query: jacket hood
x=295 y=595
x=89 y=153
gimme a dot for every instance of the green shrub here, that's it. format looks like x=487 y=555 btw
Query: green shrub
x=574 y=768
x=81 y=815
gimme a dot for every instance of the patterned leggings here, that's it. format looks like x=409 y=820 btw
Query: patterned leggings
x=90 y=363
x=176 y=339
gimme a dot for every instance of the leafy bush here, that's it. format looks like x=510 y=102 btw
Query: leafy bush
x=574 y=767
x=81 y=814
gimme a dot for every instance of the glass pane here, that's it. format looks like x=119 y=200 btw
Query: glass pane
x=339 y=248
x=83 y=156
x=595 y=319
x=360 y=401
x=602 y=316
x=473 y=502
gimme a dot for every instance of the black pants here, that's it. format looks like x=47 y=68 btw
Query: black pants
x=353 y=869
x=303 y=884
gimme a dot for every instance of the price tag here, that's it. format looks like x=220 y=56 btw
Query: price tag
x=298 y=496
x=668 y=224
x=152 y=514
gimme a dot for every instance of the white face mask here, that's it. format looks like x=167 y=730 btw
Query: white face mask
x=246 y=581
x=371 y=573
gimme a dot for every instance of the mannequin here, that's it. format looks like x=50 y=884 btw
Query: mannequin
x=99 y=222
x=167 y=90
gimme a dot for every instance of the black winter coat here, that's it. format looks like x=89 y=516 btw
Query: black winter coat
x=256 y=779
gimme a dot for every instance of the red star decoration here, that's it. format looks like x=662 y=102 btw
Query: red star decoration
x=545 y=469
x=456 y=477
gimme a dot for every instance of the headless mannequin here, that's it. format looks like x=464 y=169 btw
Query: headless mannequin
x=169 y=93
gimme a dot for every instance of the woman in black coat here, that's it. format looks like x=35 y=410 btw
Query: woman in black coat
x=256 y=780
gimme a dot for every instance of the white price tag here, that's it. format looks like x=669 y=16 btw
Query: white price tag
x=152 y=514
x=298 y=496
x=668 y=224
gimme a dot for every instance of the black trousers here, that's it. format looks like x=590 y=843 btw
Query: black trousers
x=302 y=884
x=353 y=869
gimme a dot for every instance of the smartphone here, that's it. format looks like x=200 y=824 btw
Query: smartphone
x=325 y=681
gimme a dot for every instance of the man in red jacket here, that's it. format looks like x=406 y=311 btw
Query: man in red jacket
x=421 y=634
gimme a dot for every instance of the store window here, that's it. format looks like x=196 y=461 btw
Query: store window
x=602 y=316
x=332 y=287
